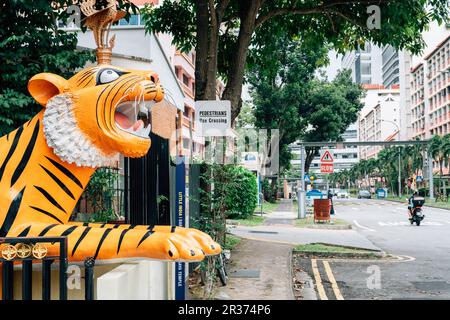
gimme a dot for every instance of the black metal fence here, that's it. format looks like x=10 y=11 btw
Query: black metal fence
x=24 y=252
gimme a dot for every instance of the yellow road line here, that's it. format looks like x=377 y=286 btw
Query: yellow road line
x=320 y=288
x=334 y=285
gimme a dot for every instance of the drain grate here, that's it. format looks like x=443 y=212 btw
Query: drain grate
x=245 y=273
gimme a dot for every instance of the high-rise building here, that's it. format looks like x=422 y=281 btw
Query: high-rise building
x=391 y=66
x=365 y=64
x=379 y=119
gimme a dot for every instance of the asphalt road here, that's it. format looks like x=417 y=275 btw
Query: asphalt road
x=422 y=271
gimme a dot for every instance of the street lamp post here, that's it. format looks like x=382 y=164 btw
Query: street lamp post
x=399 y=159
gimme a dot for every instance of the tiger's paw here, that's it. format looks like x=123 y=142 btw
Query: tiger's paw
x=206 y=243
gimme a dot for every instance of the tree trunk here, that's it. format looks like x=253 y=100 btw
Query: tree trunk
x=235 y=77
x=310 y=154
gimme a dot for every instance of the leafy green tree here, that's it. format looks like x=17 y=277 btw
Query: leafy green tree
x=279 y=92
x=328 y=109
x=225 y=33
x=30 y=43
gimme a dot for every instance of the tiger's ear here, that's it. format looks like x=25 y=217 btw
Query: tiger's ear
x=44 y=86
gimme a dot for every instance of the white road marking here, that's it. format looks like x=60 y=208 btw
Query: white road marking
x=362 y=227
x=405 y=223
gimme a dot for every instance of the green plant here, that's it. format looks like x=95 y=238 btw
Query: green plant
x=241 y=194
x=100 y=193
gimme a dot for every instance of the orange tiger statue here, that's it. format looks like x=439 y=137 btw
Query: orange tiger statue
x=45 y=165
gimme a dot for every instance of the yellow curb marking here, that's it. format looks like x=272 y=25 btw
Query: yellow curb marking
x=320 y=289
x=334 y=285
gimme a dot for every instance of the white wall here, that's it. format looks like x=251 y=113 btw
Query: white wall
x=140 y=280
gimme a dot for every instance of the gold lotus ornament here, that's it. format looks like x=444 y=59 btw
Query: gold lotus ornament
x=9 y=252
x=23 y=250
x=39 y=251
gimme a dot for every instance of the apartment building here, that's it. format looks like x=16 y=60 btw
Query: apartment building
x=379 y=119
x=430 y=96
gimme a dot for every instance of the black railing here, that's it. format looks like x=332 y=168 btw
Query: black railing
x=20 y=250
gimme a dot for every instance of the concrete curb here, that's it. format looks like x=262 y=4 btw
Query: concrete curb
x=328 y=227
x=367 y=254
x=290 y=266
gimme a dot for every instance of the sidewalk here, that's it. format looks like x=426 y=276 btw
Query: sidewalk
x=259 y=270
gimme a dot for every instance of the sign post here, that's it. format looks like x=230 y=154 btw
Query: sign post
x=180 y=205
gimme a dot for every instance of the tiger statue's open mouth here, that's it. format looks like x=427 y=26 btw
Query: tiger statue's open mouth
x=134 y=118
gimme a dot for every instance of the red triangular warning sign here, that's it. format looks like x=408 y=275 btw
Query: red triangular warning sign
x=327 y=157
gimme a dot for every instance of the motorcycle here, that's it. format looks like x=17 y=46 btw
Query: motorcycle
x=417 y=214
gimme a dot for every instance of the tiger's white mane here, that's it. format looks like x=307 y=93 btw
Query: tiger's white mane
x=66 y=139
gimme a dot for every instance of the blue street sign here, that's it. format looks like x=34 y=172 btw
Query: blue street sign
x=419 y=179
x=180 y=205
x=307 y=178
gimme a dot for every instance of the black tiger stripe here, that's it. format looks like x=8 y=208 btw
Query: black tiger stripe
x=26 y=155
x=24 y=232
x=51 y=215
x=150 y=227
x=116 y=226
x=68 y=231
x=105 y=234
x=11 y=151
x=122 y=235
x=7 y=137
x=66 y=172
x=58 y=182
x=173 y=229
x=132 y=226
x=50 y=198
x=85 y=224
x=47 y=229
x=83 y=235
x=96 y=105
x=146 y=235
x=85 y=76
x=102 y=225
x=11 y=214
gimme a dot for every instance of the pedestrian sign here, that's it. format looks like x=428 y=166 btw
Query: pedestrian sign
x=326 y=157
x=419 y=179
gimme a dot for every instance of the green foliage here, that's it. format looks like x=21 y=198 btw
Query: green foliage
x=269 y=190
x=288 y=96
x=30 y=43
x=340 y=23
x=241 y=194
x=100 y=193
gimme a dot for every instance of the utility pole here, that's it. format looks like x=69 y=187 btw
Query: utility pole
x=399 y=172
x=301 y=196
x=430 y=173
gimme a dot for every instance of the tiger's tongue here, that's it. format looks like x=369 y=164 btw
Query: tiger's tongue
x=125 y=123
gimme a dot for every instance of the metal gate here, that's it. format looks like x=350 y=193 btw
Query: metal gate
x=23 y=252
x=147 y=185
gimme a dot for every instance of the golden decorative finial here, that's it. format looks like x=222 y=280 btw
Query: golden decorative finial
x=100 y=15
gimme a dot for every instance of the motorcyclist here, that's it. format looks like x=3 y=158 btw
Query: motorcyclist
x=411 y=205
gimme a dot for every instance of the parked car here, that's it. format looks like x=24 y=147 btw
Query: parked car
x=343 y=194
x=364 y=194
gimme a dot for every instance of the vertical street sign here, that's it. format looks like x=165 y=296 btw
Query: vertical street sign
x=180 y=191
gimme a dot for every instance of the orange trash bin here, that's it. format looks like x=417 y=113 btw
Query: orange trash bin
x=322 y=208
